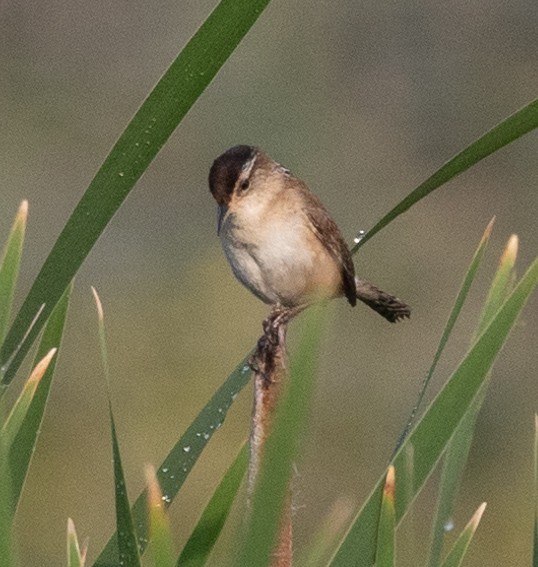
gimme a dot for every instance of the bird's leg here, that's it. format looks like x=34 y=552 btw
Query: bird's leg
x=274 y=331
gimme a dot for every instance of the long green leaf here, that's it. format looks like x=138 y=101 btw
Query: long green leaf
x=521 y=122
x=128 y=555
x=431 y=435
x=280 y=449
x=459 y=549
x=207 y=530
x=157 y=118
x=127 y=545
x=177 y=465
x=22 y=448
x=9 y=266
x=460 y=444
x=454 y=314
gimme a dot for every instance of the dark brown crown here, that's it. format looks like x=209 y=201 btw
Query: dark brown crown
x=225 y=171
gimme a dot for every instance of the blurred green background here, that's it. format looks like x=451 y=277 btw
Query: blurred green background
x=361 y=100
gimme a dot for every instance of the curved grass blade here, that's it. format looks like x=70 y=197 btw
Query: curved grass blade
x=521 y=122
x=432 y=433
x=387 y=523
x=460 y=444
x=152 y=125
x=207 y=530
x=281 y=448
x=177 y=465
x=21 y=451
x=128 y=555
x=454 y=314
x=161 y=539
x=9 y=266
x=75 y=556
x=458 y=551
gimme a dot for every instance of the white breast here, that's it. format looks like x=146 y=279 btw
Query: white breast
x=273 y=254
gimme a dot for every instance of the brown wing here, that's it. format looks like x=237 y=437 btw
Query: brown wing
x=330 y=236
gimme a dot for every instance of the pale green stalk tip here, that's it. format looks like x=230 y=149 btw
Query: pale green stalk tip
x=509 y=254
x=489 y=229
x=477 y=516
x=154 y=491
x=41 y=367
x=22 y=213
x=98 y=304
x=390 y=484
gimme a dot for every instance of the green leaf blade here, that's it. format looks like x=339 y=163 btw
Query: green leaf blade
x=150 y=128
x=9 y=266
x=21 y=450
x=518 y=124
x=179 y=462
x=432 y=433
x=20 y=409
x=453 y=317
x=207 y=530
x=457 y=554
x=458 y=449
x=128 y=555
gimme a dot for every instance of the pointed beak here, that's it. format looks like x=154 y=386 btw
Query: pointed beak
x=221 y=213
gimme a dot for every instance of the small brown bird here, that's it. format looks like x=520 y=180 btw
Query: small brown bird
x=281 y=242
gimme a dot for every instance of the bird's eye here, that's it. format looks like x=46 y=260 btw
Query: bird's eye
x=245 y=184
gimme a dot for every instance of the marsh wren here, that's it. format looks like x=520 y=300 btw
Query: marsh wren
x=280 y=240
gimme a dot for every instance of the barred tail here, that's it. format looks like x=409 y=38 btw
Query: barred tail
x=388 y=306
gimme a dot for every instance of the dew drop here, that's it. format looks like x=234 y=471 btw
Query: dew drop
x=449 y=525
x=187 y=448
x=360 y=235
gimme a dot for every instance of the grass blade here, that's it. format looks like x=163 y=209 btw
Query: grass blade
x=535 y=543
x=20 y=408
x=152 y=125
x=454 y=314
x=460 y=444
x=521 y=122
x=387 y=523
x=458 y=551
x=207 y=530
x=21 y=451
x=6 y=517
x=75 y=556
x=161 y=540
x=128 y=555
x=177 y=465
x=431 y=435
x=9 y=266
x=281 y=448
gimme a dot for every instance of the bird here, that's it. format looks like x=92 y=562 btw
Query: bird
x=282 y=243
